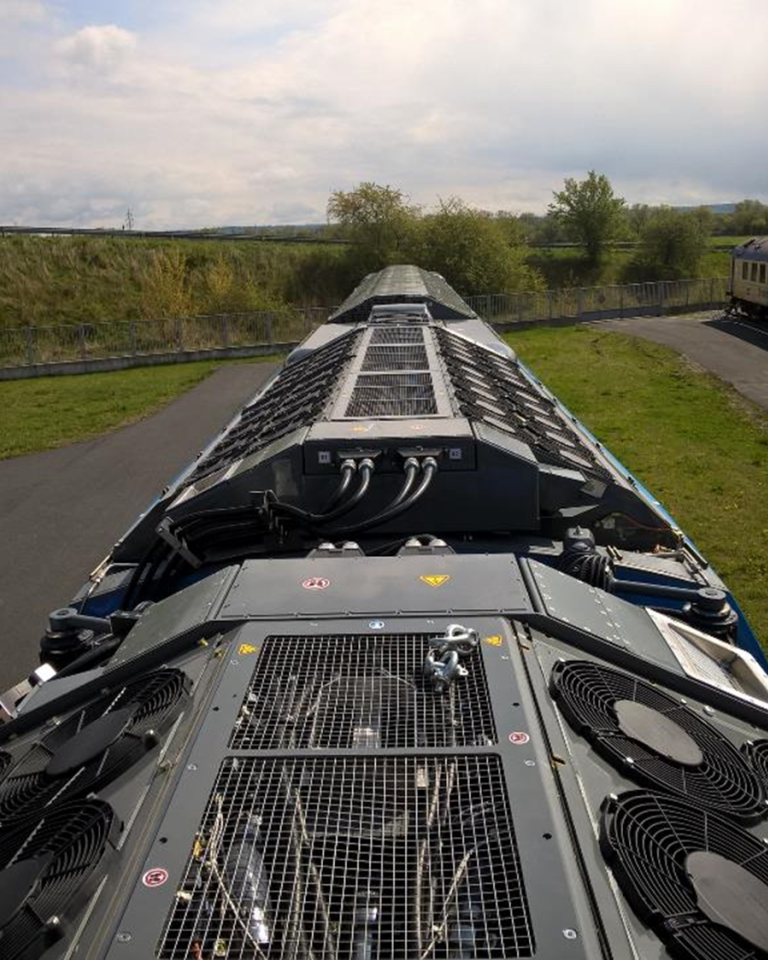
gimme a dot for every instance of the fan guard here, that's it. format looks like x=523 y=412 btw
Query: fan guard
x=656 y=739
x=47 y=868
x=756 y=752
x=699 y=880
x=94 y=745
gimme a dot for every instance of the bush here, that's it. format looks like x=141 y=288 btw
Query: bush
x=672 y=244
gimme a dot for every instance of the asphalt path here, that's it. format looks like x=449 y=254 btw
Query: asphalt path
x=61 y=511
x=735 y=350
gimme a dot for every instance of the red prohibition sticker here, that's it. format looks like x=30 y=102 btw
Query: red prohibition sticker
x=316 y=583
x=155 y=877
x=518 y=737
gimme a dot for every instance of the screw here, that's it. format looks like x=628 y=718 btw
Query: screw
x=709 y=711
x=530 y=763
x=192 y=766
x=124 y=937
x=629 y=761
x=570 y=934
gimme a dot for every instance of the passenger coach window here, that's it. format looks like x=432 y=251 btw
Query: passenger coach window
x=753 y=277
x=762 y=273
x=745 y=271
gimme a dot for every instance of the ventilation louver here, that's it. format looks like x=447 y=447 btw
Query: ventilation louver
x=295 y=399
x=700 y=881
x=655 y=739
x=492 y=389
x=354 y=857
x=756 y=752
x=392 y=395
x=48 y=865
x=359 y=692
x=94 y=745
x=397 y=335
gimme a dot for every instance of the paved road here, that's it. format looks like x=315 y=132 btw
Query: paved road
x=734 y=350
x=61 y=511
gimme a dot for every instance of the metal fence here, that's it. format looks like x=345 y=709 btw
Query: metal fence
x=35 y=347
x=591 y=303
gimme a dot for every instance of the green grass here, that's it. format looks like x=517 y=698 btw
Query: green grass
x=699 y=447
x=46 y=412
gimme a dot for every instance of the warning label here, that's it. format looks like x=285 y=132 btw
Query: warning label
x=435 y=579
x=316 y=583
x=155 y=877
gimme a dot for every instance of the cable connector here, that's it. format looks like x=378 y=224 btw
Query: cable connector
x=442 y=665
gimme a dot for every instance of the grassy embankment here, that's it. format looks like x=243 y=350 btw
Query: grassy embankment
x=693 y=441
x=82 y=280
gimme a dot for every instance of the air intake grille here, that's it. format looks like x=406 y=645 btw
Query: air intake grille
x=396 y=357
x=343 y=858
x=397 y=335
x=295 y=399
x=356 y=692
x=392 y=395
x=493 y=390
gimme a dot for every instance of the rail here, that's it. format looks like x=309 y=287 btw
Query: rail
x=75 y=348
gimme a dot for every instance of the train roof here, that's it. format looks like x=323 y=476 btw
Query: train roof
x=754 y=249
x=403 y=283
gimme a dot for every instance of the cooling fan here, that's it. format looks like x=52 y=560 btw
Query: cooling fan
x=756 y=752
x=93 y=745
x=700 y=881
x=656 y=739
x=48 y=866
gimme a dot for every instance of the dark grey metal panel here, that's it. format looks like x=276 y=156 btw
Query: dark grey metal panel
x=376 y=586
x=403 y=284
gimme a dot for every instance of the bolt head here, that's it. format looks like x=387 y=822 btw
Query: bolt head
x=570 y=934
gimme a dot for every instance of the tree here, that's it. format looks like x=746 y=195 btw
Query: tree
x=378 y=218
x=590 y=211
x=750 y=217
x=474 y=252
x=672 y=244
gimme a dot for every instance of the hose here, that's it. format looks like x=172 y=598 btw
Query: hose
x=365 y=470
x=404 y=499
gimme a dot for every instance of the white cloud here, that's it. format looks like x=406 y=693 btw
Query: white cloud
x=229 y=111
x=99 y=48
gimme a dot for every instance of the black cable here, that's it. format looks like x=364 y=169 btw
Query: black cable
x=365 y=470
x=402 y=501
x=348 y=469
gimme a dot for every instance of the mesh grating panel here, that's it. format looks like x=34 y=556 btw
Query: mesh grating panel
x=366 y=692
x=295 y=399
x=396 y=357
x=342 y=858
x=397 y=335
x=392 y=395
x=493 y=390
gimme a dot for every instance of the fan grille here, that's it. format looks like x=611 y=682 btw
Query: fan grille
x=647 y=838
x=587 y=694
x=345 y=692
x=152 y=702
x=392 y=395
x=757 y=754
x=375 y=857
x=74 y=836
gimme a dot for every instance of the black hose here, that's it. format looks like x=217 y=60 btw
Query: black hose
x=402 y=501
x=348 y=469
x=365 y=470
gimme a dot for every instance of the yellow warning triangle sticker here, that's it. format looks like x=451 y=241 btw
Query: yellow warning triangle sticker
x=435 y=580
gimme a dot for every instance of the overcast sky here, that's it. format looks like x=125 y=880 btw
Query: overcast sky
x=205 y=112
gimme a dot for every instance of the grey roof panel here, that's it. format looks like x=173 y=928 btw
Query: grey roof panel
x=754 y=249
x=403 y=284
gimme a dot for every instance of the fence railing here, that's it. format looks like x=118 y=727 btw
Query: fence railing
x=37 y=346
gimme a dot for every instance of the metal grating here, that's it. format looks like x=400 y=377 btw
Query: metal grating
x=493 y=389
x=396 y=357
x=359 y=692
x=341 y=858
x=397 y=335
x=296 y=398
x=392 y=395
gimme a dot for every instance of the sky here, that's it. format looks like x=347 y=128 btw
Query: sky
x=208 y=112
